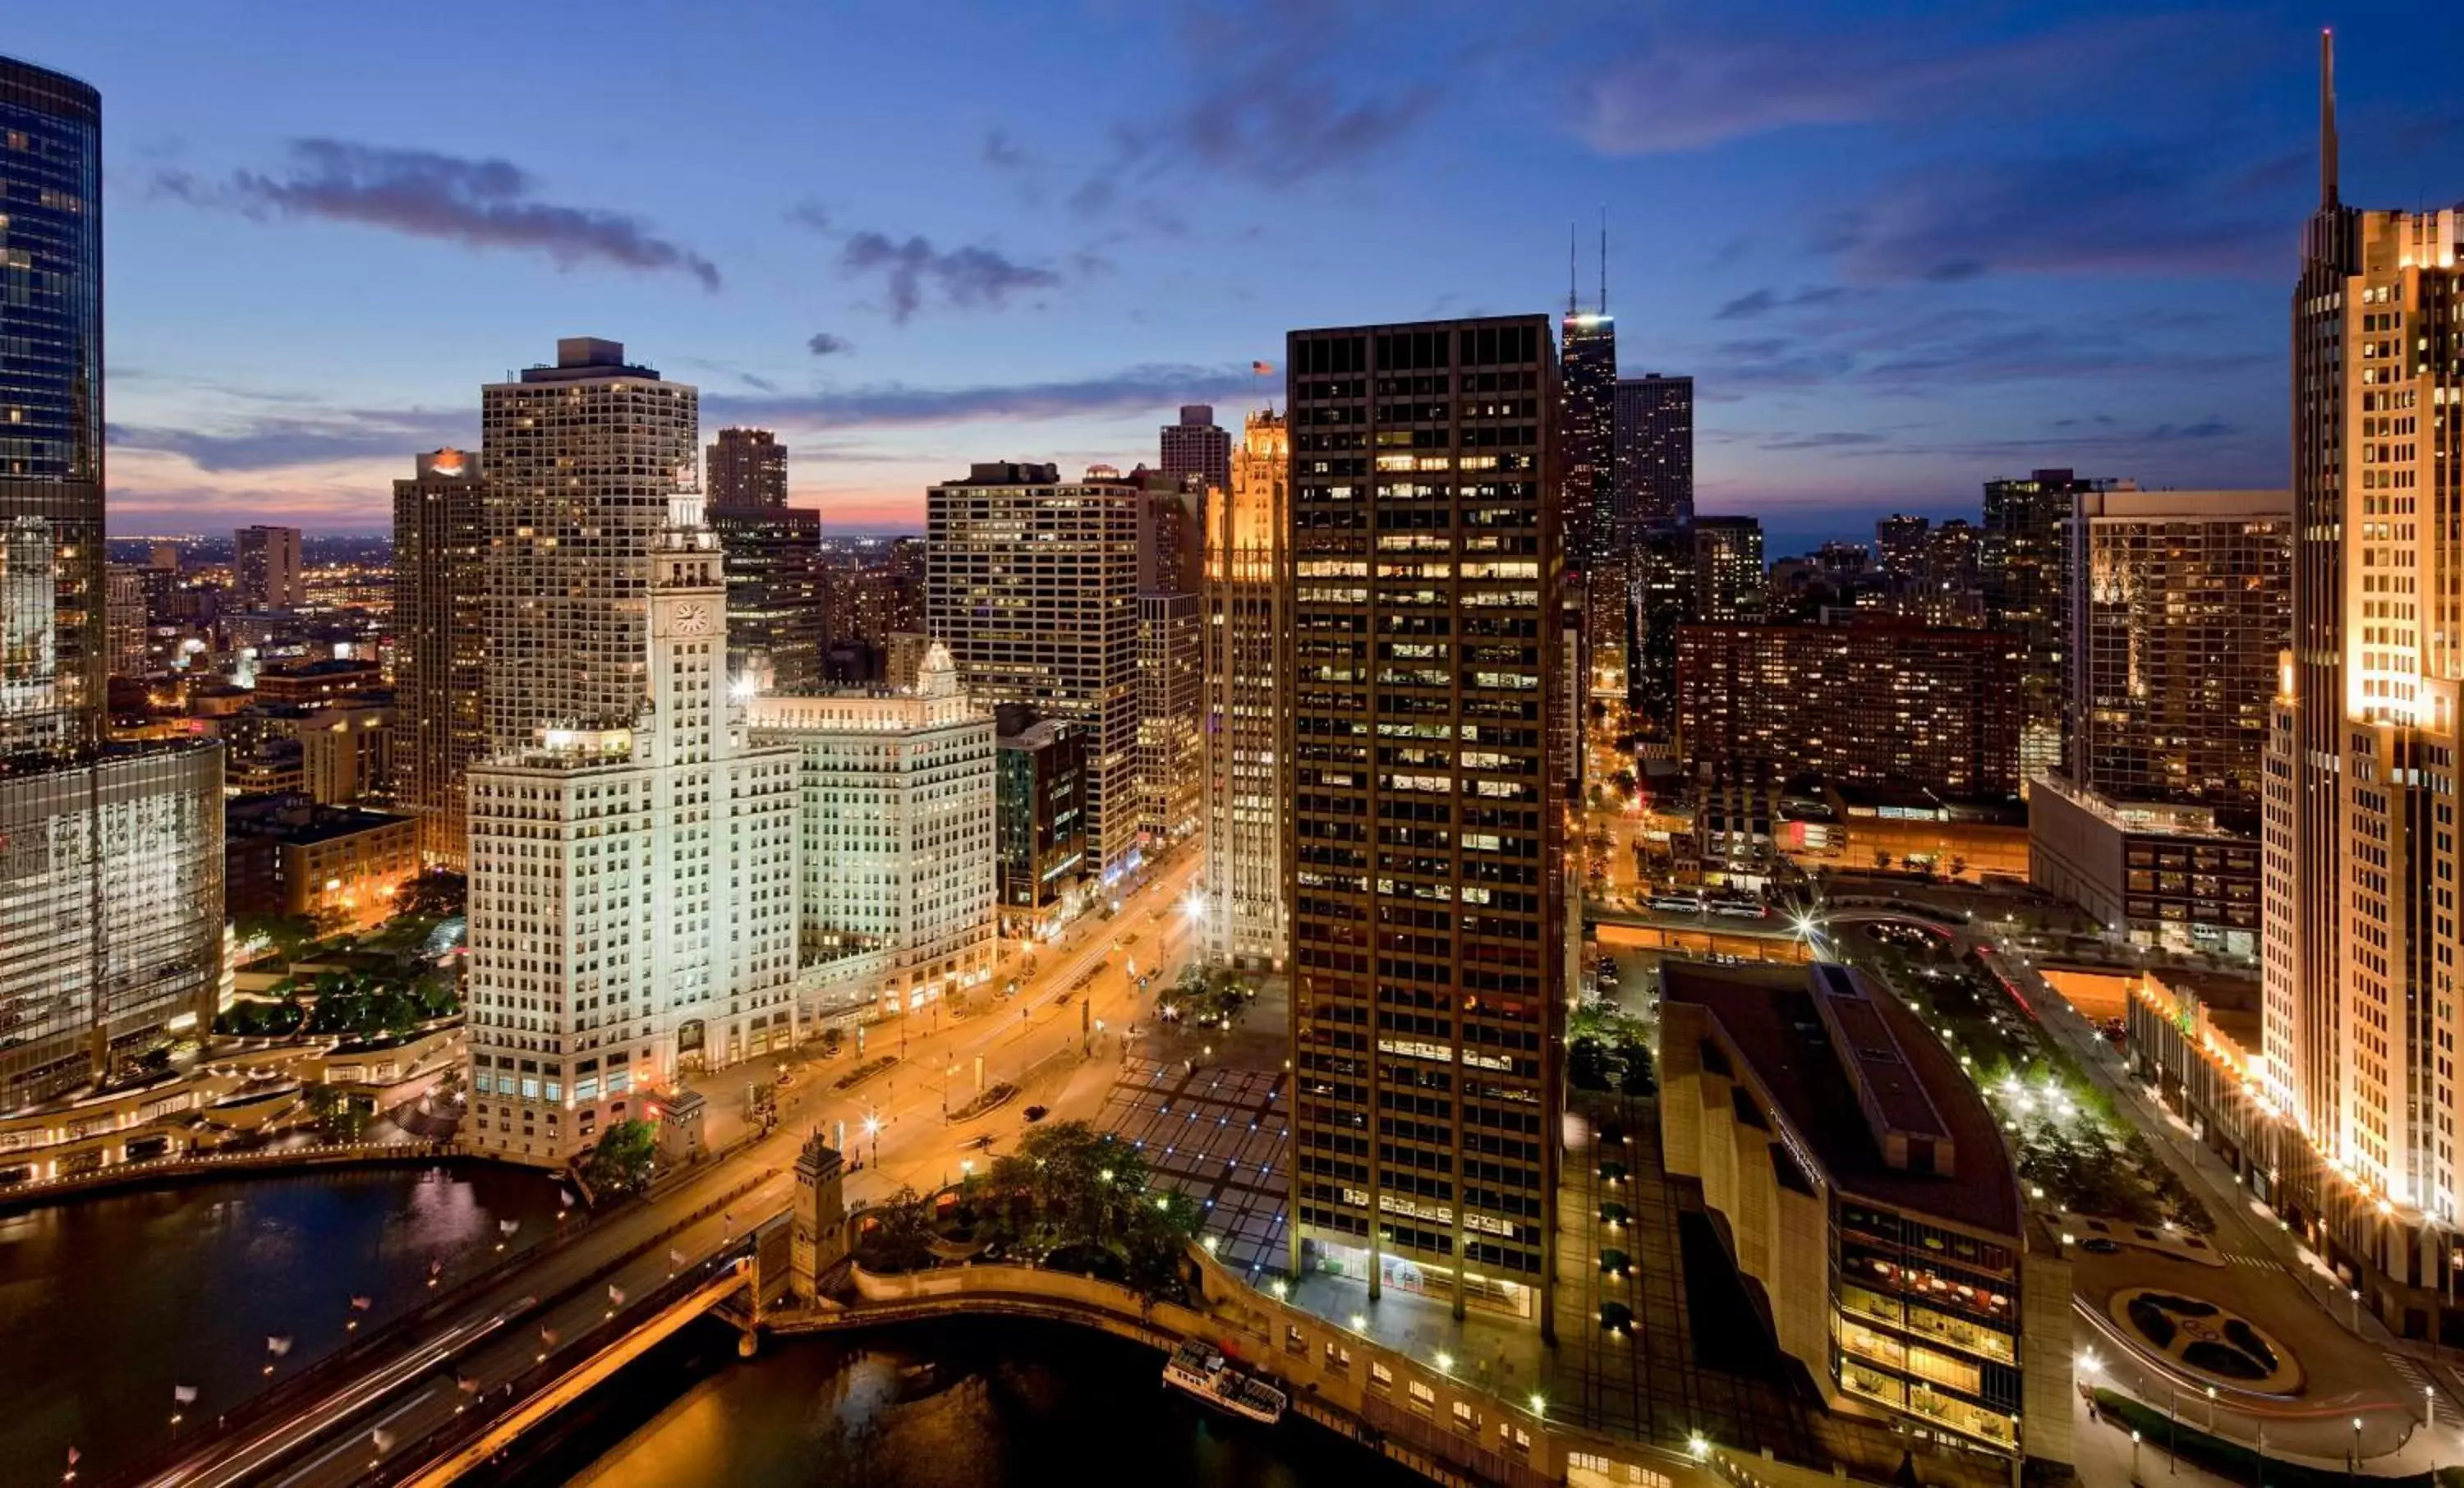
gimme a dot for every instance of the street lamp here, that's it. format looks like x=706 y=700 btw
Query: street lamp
x=872 y=1130
x=1699 y=1446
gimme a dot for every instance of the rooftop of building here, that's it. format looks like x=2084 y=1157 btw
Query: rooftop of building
x=1772 y=1023
x=297 y=820
x=583 y=359
x=2191 y=506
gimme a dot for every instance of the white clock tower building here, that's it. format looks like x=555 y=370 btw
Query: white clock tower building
x=633 y=893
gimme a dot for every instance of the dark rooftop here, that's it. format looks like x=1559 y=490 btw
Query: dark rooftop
x=1769 y=1016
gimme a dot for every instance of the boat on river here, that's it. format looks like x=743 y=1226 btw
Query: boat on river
x=1201 y=1369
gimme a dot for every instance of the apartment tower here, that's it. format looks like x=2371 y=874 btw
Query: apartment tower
x=586 y=463
x=1423 y=848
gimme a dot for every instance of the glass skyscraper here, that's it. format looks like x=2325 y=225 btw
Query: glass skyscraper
x=54 y=656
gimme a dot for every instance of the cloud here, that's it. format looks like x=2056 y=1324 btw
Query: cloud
x=1763 y=301
x=1001 y=152
x=822 y=343
x=276 y=440
x=481 y=204
x=1834 y=439
x=2153 y=206
x=972 y=278
x=1684 y=90
x=1152 y=387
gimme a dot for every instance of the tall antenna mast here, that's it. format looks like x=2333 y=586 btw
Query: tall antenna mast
x=1604 y=260
x=1573 y=236
x=2326 y=118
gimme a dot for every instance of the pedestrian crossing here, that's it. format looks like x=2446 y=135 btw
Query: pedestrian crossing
x=2255 y=1262
x=2410 y=1370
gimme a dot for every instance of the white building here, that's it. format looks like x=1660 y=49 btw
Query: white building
x=896 y=829
x=633 y=893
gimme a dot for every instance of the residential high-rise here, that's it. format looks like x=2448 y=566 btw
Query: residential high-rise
x=1197 y=447
x=746 y=469
x=111 y=856
x=125 y=598
x=440 y=630
x=54 y=656
x=1900 y=545
x=2020 y=569
x=1032 y=583
x=1728 y=570
x=2180 y=603
x=1172 y=758
x=1874 y=701
x=1423 y=850
x=1652 y=451
x=2359 y=916
x=585 y=462
x=633 y=890
x=895 y=812
x=1247 y=599
x=265 y=568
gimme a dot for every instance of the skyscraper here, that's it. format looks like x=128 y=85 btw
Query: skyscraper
x=1245 y=618
x=586 y=462
x=111 y=856
x=1728 y=569
x=1664 y=602
x=1032 y=583
x=1423 y=848
x=2020 y=569
x=1587 y=397
x=54 y=656
x=440 y=627
x=747 y=469
x=1197 y=447
x=265 y=568
x=1172 y=759
x=1652 y=451
x=633 y=890
x=777 y=623
x=2360 y=918
x=1900 y=545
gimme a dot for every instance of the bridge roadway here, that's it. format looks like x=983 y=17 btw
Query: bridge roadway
x=407 y=1388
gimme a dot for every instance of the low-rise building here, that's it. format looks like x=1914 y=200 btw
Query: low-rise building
x=1870 y=1205
x=2170 y=876
x=286 y=854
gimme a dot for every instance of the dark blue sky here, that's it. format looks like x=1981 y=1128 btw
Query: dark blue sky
x=1903 y=248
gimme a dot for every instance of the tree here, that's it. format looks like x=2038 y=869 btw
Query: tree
x=1958 y=865
x=339 y=1116
x=900 y=1237
x=627 y=1153
x=433 y=896
x=1882 y=860
x=283 y=936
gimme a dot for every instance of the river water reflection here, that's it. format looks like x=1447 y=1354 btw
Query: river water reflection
x=107 y=1303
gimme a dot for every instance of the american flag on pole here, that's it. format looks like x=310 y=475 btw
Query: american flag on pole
x=183 y=1394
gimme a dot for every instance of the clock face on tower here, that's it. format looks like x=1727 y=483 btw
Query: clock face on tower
x=693 y=618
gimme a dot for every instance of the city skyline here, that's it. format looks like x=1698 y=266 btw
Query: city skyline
x=1882 y=340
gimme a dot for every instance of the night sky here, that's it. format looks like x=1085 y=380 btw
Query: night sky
x=1903 y=248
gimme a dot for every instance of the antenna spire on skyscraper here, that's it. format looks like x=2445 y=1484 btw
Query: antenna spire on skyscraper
x=1574 y=236
x=2327 y=117
x=1604 y=260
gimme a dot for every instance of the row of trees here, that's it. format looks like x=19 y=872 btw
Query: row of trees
x=345 y=1004
x=1208 y=997
x=1607 y=1050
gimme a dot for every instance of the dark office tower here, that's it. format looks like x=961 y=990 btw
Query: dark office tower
x=586 y=463
x=1663 y=601
x=1728 y=570
x=1588 y=397
x=1425 y=844
x=2020 y=569
x=1652 y=452
x=777 y=617
x=1900 y=545
x=1195 y=447
x=747 y=470
x=440 y=630
x=55 y=654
